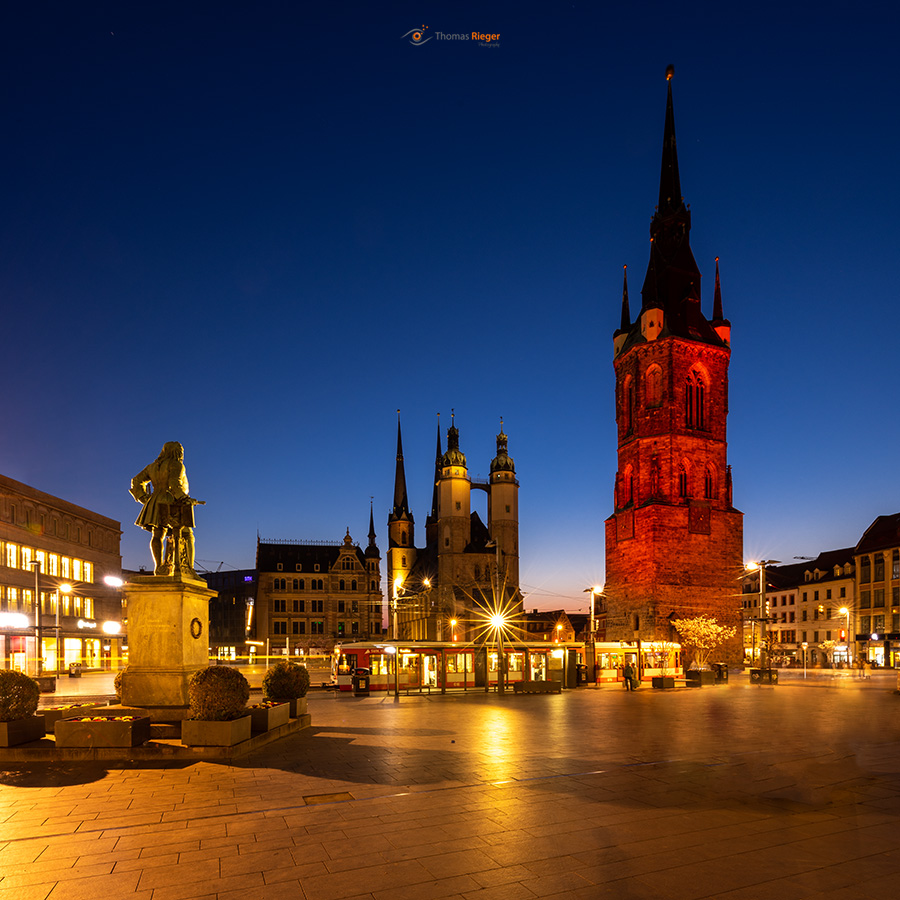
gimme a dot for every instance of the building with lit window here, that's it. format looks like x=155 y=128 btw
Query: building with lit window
x=314 y=594
x=231 y=611
x=78 y=618
x=810 y=607
x=878 y=575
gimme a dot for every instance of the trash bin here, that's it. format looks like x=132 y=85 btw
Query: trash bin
x=74 y=670
x=582 y=673
x=763 y=676
x=360 y=681
x=721 y=671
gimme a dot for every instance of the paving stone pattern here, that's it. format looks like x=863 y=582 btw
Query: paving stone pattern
x=737 y=792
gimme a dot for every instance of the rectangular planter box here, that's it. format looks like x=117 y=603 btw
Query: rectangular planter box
x=269 y=717
x=22 y=731
x=298 y=707
x=103 y=731
x=203 y=733
x=52 y=714
x=699 y=677
x=663 y=682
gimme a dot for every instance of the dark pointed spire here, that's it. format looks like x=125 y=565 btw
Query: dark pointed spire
x=718 y=315
x=401 y=502
x=626 y=312
x=669 y=180
x=435 y=501
x=372 y=549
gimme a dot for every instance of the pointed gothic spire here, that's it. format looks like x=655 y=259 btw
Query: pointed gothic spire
x=401 y=503
x=718 y=315
x=669 y=181
x=435 y=496
x=372 y=534
x=626 y=312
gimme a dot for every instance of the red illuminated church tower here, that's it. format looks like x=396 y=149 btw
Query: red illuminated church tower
x=674 y=542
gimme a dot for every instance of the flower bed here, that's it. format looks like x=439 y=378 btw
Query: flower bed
x=52 y=714
x=103 y=731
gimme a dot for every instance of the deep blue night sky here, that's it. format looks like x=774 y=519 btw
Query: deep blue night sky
x=260 y=228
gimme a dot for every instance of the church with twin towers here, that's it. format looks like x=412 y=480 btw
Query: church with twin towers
x=467 y=568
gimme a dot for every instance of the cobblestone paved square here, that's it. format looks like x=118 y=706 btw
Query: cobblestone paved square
x=736 y=792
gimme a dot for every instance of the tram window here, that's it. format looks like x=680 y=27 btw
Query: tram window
x=457 y=664
x=379 y=664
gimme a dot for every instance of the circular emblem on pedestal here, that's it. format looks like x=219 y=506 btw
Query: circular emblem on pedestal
x=196 y=628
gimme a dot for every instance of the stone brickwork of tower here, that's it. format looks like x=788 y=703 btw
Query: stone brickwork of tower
x=674 y=543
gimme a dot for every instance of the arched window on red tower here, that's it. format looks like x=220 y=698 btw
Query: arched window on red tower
x=628 y=404
x=653 y=386
x=628 y=486
x=708 y=485
x=682 y=481
x=695 y=401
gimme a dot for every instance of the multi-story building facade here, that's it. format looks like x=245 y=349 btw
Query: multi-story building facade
x=878 y=577
x=231 y=611
x=810 y=608
x=467 y=569
x=674 y=541
x=74 y=550
x=312 y=595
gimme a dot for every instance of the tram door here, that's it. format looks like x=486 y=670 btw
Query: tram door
x=480 y=663
x=429 y=670
x=538 y=666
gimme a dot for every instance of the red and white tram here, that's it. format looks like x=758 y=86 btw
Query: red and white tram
x=441 y=666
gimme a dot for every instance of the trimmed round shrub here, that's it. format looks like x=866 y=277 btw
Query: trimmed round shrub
x=285 y=681
x=19 y=696
x=218 y=694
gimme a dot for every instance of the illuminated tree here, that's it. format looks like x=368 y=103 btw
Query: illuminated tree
x=703 y=634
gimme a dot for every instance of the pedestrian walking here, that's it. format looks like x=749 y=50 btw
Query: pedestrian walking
x=628 y=674
x=867 y=668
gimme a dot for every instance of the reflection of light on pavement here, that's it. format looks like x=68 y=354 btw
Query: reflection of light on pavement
x=498 y=739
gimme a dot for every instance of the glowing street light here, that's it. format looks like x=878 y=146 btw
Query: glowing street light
x=498 y=621
x=762 y=615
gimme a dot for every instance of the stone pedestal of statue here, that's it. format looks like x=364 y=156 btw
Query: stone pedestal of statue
x=168 y=641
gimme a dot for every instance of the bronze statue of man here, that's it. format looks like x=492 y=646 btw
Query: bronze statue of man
x=168 y=512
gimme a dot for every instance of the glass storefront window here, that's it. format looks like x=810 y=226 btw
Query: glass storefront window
x=91 y=653
x=71 y=651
